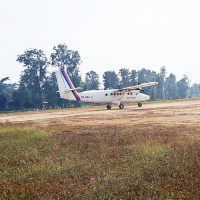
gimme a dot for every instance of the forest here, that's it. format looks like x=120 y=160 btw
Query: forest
x=37 y=87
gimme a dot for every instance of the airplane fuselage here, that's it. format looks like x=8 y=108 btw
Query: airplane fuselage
x=107 y=96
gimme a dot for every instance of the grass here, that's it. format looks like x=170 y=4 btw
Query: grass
x=102 y=162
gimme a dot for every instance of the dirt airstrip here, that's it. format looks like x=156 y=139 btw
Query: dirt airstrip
x=166 y=113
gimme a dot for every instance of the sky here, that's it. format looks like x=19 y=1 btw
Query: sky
x=109 y=34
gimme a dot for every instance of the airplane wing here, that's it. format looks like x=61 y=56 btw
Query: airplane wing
x=136 y=87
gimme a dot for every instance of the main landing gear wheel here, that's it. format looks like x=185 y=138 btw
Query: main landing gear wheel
x=139 y=104
x=121 y=106
x=108 y=107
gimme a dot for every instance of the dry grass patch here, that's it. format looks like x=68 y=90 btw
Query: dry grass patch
x=98 y=162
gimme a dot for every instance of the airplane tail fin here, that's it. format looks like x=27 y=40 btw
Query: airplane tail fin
x=65 y=85
x=64 y=82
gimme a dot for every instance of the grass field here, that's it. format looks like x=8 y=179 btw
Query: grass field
x=151 y=152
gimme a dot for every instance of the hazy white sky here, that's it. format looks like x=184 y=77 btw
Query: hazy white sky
x=109 y=34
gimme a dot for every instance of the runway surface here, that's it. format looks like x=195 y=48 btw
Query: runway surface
x=176 y=111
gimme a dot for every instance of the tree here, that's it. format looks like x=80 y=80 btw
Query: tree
x=133 y=77
x=142 y=75
x=199 y=87
x=170 y=87
x=153 y=93
x=3 y=80
x=2 y=84
x=3 y=101
x=161 y=80
x=3 y=95
x=195 y=90
x=6 y=91
x=125 y=77
x=183 y=86
x=50 y=89
x=35 y=63
x=92 y=81
x=62 y=57
x=20 y=97
x=110 y=80
x=145 y=76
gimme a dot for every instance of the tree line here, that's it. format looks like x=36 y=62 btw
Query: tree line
x=38 y=88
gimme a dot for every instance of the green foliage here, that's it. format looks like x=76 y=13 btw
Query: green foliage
x=20 y=98
x=125 y=77
x=35 y=63
x=153 y=93
x=145 y=76
x=133 y=77
x=50 y=89
x=161 y=80
x=170 y=87
x=3 y=96
x=183 y=87
x=3 y=80
x=6 y=91
x=110 y=80
x=194 y=90
x=62 y=57
x=92 y=81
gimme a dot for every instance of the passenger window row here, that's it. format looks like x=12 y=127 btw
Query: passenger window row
x=119 y=94
x=116 y=93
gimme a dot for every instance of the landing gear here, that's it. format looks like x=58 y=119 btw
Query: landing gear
x=121 y=106
x=139 y=104
x=108 y=107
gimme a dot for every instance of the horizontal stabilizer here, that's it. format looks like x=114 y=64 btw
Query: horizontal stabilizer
x=78 y=88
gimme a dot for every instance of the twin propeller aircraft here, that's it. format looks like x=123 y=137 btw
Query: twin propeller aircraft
x=109 y=97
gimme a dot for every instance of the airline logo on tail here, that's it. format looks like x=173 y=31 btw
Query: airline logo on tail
x=71 y=86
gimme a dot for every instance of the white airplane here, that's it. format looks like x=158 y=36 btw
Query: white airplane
x=109 y=97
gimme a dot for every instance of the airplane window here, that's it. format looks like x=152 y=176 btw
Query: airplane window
x=131 y=93
x=111 y=93
x=117 y=93
x=106 y=94
x=120 y=93
x=114 y=93
x=128 y=93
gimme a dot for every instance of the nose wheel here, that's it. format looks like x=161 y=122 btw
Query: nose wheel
x=108 y=107
x=121 y=106
x=139 y=104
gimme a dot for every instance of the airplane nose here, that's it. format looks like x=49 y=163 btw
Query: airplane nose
x=147 y=97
